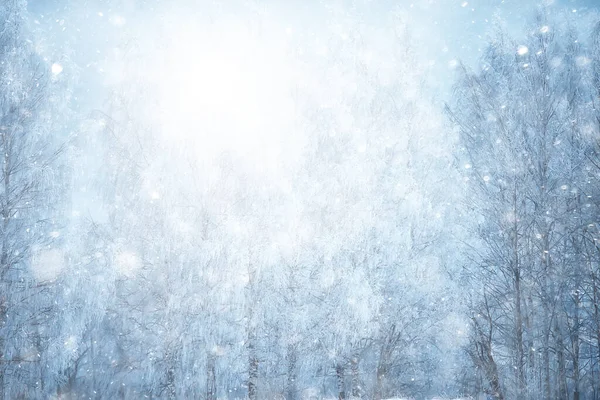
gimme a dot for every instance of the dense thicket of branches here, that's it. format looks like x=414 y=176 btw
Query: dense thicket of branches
x=196 y=275
x=529 y=132
x=347 y=263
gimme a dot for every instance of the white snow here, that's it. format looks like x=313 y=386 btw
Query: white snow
x=47 y=264
x=522 y=50
x=56 y=68
x=127 y=263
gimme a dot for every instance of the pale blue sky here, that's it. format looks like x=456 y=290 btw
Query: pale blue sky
x=444 y=30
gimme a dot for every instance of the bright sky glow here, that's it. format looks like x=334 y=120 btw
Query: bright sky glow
x=223 y=88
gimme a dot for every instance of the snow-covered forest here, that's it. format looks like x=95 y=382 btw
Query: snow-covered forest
x=301 y=200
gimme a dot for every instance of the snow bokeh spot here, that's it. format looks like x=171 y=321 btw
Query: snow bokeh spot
x=47 y=264
x=522 y=50
x=127 y=263
x=56 y=68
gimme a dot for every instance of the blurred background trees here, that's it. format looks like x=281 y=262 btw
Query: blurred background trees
x=353 y=242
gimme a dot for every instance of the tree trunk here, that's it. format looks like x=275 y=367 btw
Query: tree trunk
x=340 y=377
x=381 y=372
x=575 y=340
x=3 y=313
x=354 y=370
x=491 y=372
x=170 y=384
x=529 y=318
x=291 y=390
x=211 y=378
x=516 y=266
x=481 y=353
x=597 y=320
x=252 y=365
x=251 y=328
x=546 y=364
x=95 y=394
x=519 y=338
x=562 y=368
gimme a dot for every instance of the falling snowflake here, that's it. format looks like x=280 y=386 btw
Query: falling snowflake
x=56 y=68
x=522 y=50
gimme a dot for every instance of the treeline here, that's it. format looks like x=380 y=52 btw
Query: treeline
x=136 y=264
x=529 y=145
x=341 y=261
